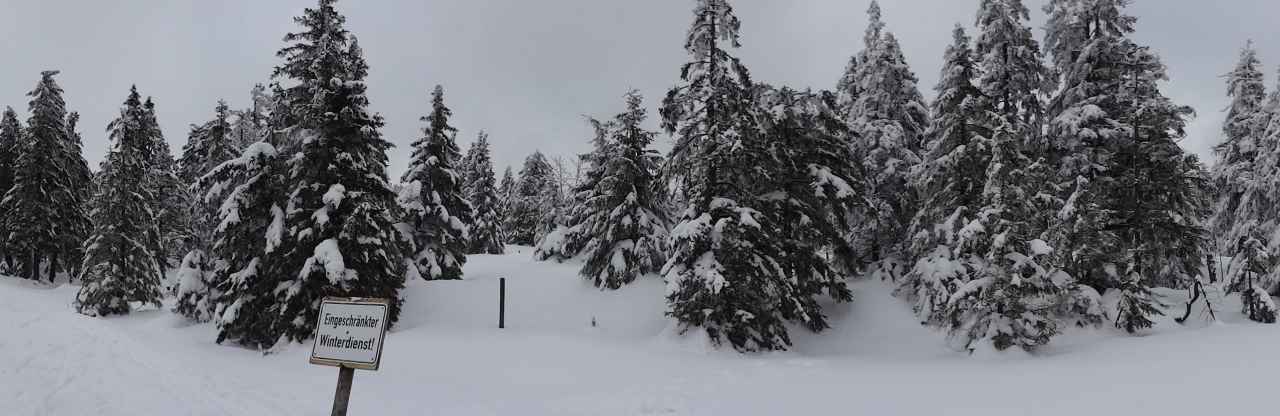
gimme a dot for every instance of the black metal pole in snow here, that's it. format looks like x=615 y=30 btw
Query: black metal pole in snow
x=502 y=302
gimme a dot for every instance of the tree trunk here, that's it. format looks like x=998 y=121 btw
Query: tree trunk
x=53 y=267
x=160 y=263
x=33 y=266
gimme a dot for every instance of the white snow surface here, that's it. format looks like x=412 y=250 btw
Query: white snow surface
x=447 y=357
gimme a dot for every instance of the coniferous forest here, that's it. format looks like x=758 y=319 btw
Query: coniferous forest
x=1039 y=186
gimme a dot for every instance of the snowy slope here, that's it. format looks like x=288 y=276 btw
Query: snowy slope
x=448 y=358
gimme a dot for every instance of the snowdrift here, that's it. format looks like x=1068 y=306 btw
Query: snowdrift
x=571 y=349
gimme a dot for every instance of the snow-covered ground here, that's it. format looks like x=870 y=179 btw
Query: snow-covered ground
x=447 y=357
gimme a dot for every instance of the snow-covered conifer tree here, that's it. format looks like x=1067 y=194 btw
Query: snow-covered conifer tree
x=950 y=181
x=208 y=146
x=529 y=207
x=45 y=217
x=10 y=133
x=119 y=262
x=485 y=233
x=338 y=236
x=1013 y=288
x=83 y=191
x=169 y=203
x=748 y=158
x=568 y=240
x=246 y=193
x=506 y=198
x=435 y=207
x=1244 y=217
x=628 y=233
x=1133 y=198
x=891 y=118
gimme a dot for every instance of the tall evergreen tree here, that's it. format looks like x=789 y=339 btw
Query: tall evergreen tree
x=468 y=164
x=950 y=181
x=627 y=232
x=10 y=136
x=339 y=213
x=435 y=206
x=570 y=239
x=45 y=217
x=209 y=145
x=530 y=205
x=119 y=263
x=506 y=198
x=1134 y=199
x=247 y=235
x=83 y=187
x=712 y=242
x=1244 y=217
x=486 y=230
x=169 y=202
x=891 y=117
x=748 y=158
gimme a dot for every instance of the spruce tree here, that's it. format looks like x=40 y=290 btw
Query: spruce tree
x=10 y=134
x=1134 y=199
x=249 y=227
x=748 y=158
x=891 y=118
x=208 y=146
x=169 y=203
x=506 y=198
x=570 y=239
x=83 y=191
x=468 y=163
x=435 y=206
x=628 y=233
x=950 y=182
x=531 y=201
x=1243 y=131
x=119 y=263
x=337 y=234
x=1007 y=282
x=44 y=215
x=1244 y=217
x=486 y=230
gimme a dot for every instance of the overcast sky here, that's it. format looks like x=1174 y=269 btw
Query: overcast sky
x=529 y=70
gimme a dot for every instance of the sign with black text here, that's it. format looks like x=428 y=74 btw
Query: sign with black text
x=349 y=332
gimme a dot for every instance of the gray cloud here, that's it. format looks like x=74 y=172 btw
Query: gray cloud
x=527 y=71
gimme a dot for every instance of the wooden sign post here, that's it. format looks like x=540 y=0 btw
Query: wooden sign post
x=349 y=334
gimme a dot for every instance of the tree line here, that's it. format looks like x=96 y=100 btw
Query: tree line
x=1041 y=187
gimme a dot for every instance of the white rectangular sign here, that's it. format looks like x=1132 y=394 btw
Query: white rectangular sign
x=349 y=332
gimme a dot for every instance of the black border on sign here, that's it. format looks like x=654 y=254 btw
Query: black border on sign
x=382 y=337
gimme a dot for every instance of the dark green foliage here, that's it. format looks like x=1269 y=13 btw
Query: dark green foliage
x=119 y=263
x=748 y=158
x=626 y=230
x=45 y=216
x=486 y=230
x=336 y=234
x=435 y=207
x=10 y=134
x=532 y=202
